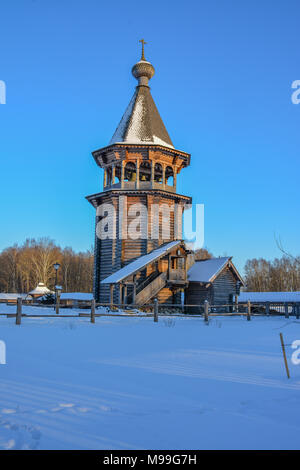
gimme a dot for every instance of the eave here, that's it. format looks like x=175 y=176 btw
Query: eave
x=93 y=198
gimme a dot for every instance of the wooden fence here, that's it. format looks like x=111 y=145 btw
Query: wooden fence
x=155 y=310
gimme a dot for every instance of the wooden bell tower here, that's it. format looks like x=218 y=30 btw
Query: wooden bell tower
x=141 y=167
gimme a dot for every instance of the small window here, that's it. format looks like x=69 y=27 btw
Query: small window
x=118 y=173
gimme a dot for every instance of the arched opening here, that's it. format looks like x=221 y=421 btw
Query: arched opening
x=169 y=176
x=108 y=176
x=118 y=173
x=145 y=171
x=130 y=172
x=158 y=173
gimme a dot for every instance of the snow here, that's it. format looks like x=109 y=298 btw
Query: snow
x=40 y=289
x=269 y=296
x=122 y=127
x=205 y=270
x=76 y=296
x=4 y=296
x=139 y=123
x=140 y=263
x=130 y=383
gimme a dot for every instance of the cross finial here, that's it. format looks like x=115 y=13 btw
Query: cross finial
x=143 y=44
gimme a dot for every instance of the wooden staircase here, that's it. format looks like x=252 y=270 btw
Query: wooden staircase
x=151 y=289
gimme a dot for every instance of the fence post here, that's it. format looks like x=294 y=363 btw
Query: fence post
x=156 y=310
x=286 y=310
x=206 y=307
x=249 y=310
x=19 y=311
x=284 y=356
x=237 y=304
x=268 y=308
x=93 y=306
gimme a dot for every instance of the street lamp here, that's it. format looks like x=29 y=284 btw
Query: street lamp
x=56 y=266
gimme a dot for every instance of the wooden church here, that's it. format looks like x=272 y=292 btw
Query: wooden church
x=141 y=168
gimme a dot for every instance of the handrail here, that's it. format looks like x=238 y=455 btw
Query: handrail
x=151 y=289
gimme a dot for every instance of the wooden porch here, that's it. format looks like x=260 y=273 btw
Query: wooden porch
x=168 y=272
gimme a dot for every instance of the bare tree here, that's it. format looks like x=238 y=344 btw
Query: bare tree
x=22 y=267
x=281 y=248
x=203 y=253
x=281 y=274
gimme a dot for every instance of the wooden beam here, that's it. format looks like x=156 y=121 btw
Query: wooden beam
x=113 y=174
x=111 y=294
x=134 y=289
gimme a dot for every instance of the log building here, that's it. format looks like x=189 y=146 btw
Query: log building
x=139 y=251
x=141 y=167
x=215 y=280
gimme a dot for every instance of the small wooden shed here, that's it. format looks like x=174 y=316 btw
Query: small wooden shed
x=215 y=280
x=8 y=298
x=76 y=299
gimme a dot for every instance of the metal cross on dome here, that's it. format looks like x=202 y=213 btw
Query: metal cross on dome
x=143 y=44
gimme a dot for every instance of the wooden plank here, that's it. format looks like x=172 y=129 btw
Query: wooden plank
x=19 y=311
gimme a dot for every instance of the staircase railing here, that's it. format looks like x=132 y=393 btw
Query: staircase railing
x=151 y=289
x=147 y=281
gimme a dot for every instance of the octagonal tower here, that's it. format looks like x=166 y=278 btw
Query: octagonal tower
x=141 y=167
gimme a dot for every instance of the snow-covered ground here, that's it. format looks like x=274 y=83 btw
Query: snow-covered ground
x=130 y=383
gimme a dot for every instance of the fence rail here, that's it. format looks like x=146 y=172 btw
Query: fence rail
x=155 y=310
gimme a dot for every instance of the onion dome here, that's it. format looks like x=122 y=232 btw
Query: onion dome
x=141 y=122
x=143 y=70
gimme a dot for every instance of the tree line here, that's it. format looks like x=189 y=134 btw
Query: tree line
x=260 y=275
x=280 y=275
x=22 y=267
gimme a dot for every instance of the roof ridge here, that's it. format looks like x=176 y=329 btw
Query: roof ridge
x=212 y=259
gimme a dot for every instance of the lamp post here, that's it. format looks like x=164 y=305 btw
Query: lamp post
x=56 y=266
x=58 y=290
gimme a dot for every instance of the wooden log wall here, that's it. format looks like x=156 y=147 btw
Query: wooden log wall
x=224 y=286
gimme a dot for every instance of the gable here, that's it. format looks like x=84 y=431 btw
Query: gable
x=206 y=271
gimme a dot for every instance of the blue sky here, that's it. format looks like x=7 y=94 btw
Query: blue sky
x=223 y=79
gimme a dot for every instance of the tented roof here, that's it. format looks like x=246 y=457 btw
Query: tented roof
x=40 y=289
x=141 y=122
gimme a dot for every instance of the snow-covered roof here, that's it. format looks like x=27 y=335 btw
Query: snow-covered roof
x=5 y=296
x=207 y=270
x=40 y=289
x=140 y=263
x=141 y=122
x=269 y=296
x=76 y=296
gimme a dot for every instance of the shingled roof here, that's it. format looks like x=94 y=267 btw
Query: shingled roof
x=141 y=122
x=207 y=270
